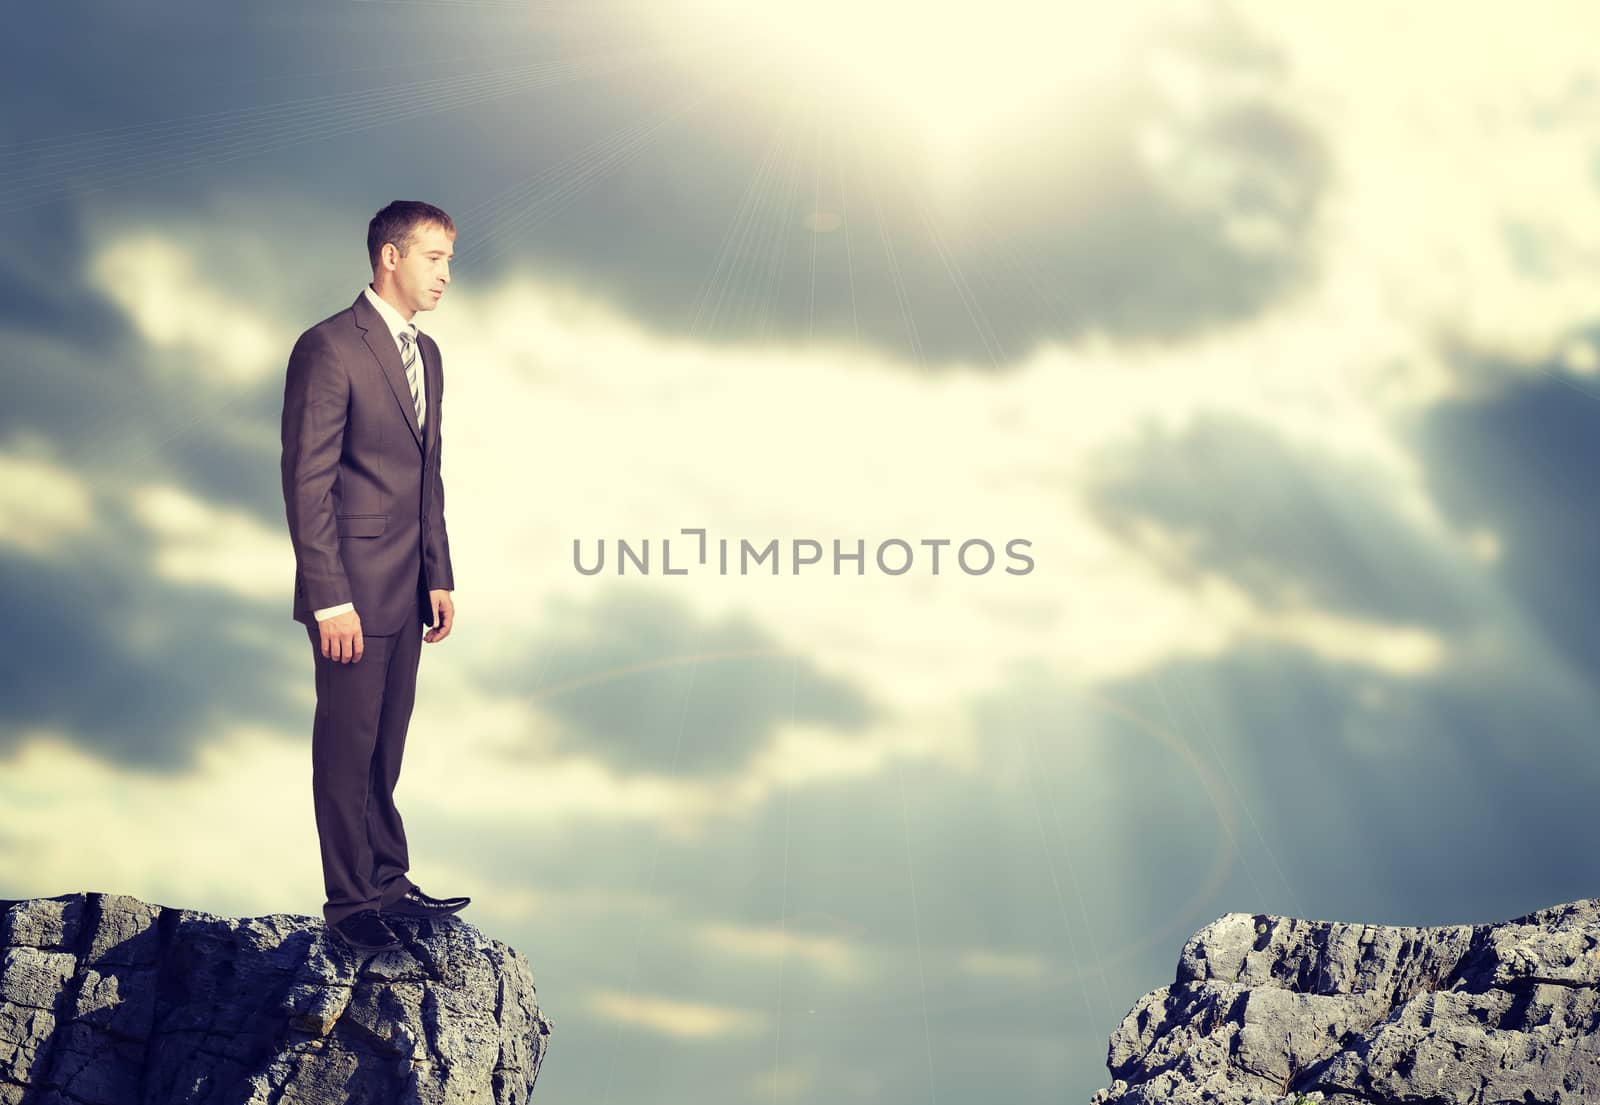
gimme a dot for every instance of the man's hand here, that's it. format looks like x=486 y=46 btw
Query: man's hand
x=341 y=637
x=444 y=616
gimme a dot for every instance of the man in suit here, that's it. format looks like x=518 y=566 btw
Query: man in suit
x=365 y=504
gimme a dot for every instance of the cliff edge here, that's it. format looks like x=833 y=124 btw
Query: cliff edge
x=1277 y=1010
x=108 y=1000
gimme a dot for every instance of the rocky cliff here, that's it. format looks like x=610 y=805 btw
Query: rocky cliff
x=1272 y=1010
x=106 y=1000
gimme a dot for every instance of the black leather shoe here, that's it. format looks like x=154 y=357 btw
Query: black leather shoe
x=364 y=931
x=417 y=904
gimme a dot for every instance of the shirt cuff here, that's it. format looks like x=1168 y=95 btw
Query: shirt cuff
x=333 y=611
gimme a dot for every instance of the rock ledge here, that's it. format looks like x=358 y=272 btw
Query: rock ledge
x=1274 y=1010
x=108 y=1000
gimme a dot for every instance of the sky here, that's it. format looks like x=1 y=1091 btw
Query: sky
x=1270 y=329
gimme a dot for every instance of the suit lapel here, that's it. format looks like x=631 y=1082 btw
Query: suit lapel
x=381 y=342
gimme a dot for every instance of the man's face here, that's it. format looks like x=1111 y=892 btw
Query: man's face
x=421 y=275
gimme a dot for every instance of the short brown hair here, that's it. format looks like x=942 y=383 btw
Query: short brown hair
x=398 y=223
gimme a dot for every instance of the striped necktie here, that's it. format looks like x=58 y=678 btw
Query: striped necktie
x=408 y=356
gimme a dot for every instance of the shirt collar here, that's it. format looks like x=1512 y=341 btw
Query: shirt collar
x=391 y=317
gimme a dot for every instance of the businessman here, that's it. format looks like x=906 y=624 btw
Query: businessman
x=362 y=406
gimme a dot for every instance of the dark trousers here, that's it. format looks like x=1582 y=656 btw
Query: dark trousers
x=357 y=739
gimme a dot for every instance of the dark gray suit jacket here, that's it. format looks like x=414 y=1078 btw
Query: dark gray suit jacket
x=361 y=485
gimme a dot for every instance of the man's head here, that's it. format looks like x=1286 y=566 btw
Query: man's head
x=410 y=245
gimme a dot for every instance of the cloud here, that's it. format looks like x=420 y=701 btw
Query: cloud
x=1518 y=464
x=98 y=407
x=501 y=747
x=988 y=963
x=42 y=503
x=829 y=954
x=1463 y=207
x=781 y=1081
x=625 y=681
x=1178 y=191
x=172 y=304
x=1362 y=795
x=684 y=1020
x=1178 y=194
x=77 y=820
x=136 y=669
x=1301 y=532
x=43 y=292
x=556 y=399
x=201 y=544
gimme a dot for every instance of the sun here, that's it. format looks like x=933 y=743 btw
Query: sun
x=942 y=71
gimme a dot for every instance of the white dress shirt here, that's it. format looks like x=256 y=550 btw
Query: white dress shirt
x=397 y=325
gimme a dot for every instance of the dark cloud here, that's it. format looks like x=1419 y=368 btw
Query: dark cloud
x=1399 y=800
x=640 y=682
x=1069 y=232
x=1519 y=462
x=1287 y=525
x=120 y=410
x=558 y=145
x=117 y=418
x=1376 y=781
x=1087 y=839
x=42 y=290
x=135 y=669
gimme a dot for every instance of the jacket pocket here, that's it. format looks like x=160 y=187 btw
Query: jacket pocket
x=361 y=525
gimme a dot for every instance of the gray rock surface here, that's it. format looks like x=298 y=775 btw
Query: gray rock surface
x=1272 y=1009
x=107 y=1000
